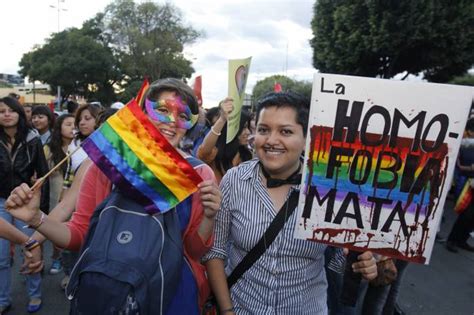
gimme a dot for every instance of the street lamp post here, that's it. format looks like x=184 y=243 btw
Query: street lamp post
x=58 y=7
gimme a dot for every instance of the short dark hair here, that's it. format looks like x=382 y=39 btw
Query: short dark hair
x=174 y=85
x=104 y=115
x=286 y=99
x=470 y=125
x=71 y=107
x=44 y=110
x=210 y=115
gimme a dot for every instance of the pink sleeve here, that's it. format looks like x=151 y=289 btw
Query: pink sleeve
x=94 y=189
x=194 y=245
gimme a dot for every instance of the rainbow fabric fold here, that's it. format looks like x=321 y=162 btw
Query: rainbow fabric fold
x=140 y=161
x=142 y=92
x=464 y=198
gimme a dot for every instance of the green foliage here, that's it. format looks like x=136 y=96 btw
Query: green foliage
x=76 y=61
x=384 y=38
x=266 y=85
x=5 y=85
x=467 y=79
x=148 y=39
x=130 y=91
x=113 y=51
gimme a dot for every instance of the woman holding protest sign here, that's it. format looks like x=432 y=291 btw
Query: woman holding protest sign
x=171 y=107
x=287 y=275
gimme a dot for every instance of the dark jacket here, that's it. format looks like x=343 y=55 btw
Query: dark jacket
x=19 y=166
x=466 y=158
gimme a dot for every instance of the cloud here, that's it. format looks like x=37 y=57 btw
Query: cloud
x=275 y=33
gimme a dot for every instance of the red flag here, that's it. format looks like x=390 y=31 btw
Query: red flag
x=277 y=87
x=142 y=92
x=197 y=87
x=51 y=106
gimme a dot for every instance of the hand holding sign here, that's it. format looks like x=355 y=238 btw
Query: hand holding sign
x=226 y=107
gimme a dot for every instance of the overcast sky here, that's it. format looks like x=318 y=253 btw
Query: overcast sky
x=275 y=33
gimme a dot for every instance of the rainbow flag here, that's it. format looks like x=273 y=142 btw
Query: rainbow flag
x=142 y=92
x=140 y=161
x=464 y=198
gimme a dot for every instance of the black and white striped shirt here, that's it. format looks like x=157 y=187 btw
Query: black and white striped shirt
x=289 y=278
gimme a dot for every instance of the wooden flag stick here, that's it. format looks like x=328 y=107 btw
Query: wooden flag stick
x=40 y=181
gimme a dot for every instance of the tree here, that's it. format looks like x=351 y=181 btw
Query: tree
x=266 y=85
x=148 y=39
x=385 y=38
x=467 y=79
x=76 y=61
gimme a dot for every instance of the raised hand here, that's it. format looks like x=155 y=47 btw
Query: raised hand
x=23 y=203
x=226 y=107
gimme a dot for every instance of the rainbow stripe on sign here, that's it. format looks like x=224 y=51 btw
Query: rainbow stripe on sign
x=370 y=167
x=140 y=161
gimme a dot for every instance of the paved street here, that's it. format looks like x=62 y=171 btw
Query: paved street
x=446 y=286
x=54 y=300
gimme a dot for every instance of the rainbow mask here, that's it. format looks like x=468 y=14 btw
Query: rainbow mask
x=171 y=110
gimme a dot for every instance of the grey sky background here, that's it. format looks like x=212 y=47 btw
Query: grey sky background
x=275 y=33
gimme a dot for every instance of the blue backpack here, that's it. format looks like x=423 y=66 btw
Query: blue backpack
x=133 y=263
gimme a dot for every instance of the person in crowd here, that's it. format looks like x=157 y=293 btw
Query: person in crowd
x=55 y=151
x=383 y=299
x=464 y=224
x=193 y=140
x=289 y=276
x=252 y=128
x=85 y=122
x=71 y=107
x=21 y=156
x=164 y=108
x=69 y=258
x=11 y=233
x=28 y=112
x=214 y=150
x=61 y=213
x=42 y=120
x=212 y=115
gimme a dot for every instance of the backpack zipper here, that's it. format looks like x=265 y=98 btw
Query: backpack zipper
x=71 y=296
x=161 y=267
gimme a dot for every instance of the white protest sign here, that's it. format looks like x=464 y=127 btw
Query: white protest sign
x=379 y=159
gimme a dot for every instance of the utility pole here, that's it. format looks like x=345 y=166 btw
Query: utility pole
x=58 y=7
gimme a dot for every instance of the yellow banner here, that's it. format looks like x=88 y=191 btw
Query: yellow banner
x=238 y=74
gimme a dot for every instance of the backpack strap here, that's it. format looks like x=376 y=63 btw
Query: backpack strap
x=266 y=240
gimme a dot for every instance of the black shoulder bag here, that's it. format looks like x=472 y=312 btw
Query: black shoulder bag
x=257 y=251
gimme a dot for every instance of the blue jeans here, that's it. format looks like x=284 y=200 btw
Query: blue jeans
x=33 y=282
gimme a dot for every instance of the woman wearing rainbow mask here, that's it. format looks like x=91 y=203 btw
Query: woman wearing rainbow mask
x=172 y=108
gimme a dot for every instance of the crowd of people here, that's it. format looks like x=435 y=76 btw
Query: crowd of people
x=236 y=230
